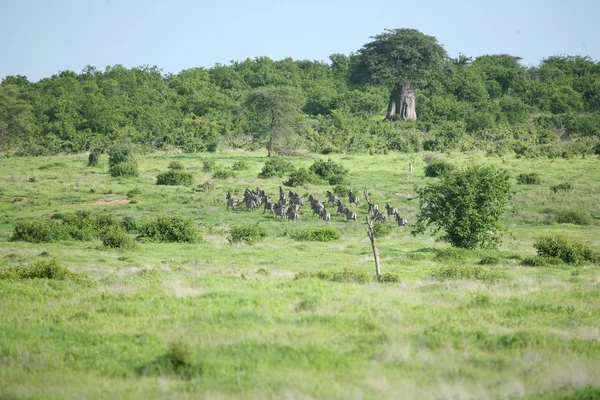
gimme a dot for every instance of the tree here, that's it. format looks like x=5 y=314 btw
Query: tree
x=467 y=205
x=400 y=59
x=276 y=110
x=369 y=227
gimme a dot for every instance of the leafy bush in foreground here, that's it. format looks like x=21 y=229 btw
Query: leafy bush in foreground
x=40 y=231
x=50 y=269
x=300 y=177
x=175 y=177
x=117 y=239
x=168 y=229
x=567 y=250
x=319 y=234
x=327 y=169
x=246 y=233
x=124 y=169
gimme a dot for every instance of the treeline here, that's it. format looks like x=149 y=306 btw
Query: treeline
x=491 y=102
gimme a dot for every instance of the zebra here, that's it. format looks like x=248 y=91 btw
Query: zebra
x=390 y=210
x=325 y=215
x=341 y=209
x=380 y=217
x=332 y=198
x=280 y=210
x=350 y=215
x=231 y=202
x=292 y=215
x=373 y=209
x=352 y=199
x=401 y=221
x=269 y=205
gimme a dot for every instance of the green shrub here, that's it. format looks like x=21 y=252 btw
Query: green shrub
x=240 y=166
x=134 y=192
x=562 y=187
x=390 y=277
x=177 y=362
x=438 y=169
x=275 y=167
x=49 y=269
x=326 y=234
x=40 y=231
x=337 y=180
x=300 y=177
x=208 y=165
x=124 y=169
x=343 y=276
x=168 y=229
x=327 y=169
x=531 y=178
x=94 y=158
x=539 y=261
x=32 y=179
x=175 y=177
x=451 y=254
x=86 y=225
x=246 y=233
x=572 y=217
x=223 y=174
x=120 y=154
x=489 y=260
x=129 y=223
x=176 y=165
x=117 y=239
x=466 y=272
x=340 y=190
x=381 y=229
x=567 y=250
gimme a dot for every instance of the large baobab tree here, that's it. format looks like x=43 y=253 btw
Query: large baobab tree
x=401 y=59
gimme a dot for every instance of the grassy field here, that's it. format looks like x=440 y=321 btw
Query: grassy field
x=218 y=320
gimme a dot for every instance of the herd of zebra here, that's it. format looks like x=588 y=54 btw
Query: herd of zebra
x=288 y=206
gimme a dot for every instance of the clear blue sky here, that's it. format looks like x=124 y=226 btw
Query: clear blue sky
x=39 y=38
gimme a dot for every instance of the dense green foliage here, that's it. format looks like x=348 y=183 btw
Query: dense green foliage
x=466 y=204
x=567 y=250
x=276 y=167
x=169 y=229
x=175 y=177
x=490 y=102
x=318 y=234
x=246 y=233
x=529 y=178
x=51 y=269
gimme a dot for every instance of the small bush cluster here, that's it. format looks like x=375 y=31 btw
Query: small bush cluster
x=121 y=162
x=249 y=234
x=328 y=169
x=326 y=234
x=466 y=272
x=300 y=177
x=208 y=165
x=437 y=169
x=539 y=261
x=94 y=158
x=572 y=217
x=380 y=229
x=134 y=192
x=168 y=229
x=567 y=250
x=223 y=174
x=118 y=239
x=531 y=178
x=343 y=276
x=176 y=165
x=50 y=269
x=40 y=231
x=175 y=177
x=337 y=180
x=341 y=190
x=489 y=260
x=451 y=254
x=562 y=187
x=275 y=167
x=240 y=166
x=177 y=361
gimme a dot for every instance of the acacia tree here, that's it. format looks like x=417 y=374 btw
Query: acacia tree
x=400 y=59
x=467 y=205
x=276 y=110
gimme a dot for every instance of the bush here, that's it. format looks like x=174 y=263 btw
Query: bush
x=223 y=174
x=343 y=276
x=94 y=158
x=118 y=155
x=539 y=261
x=240 y=166
x=337 y=180
x=134 y=192
x=489 y=260
x=327 y=169
x=85 y=225
x=208 y=165
x=117 y=239
x=124 y=169
x=168 y=229
x=572 y=217
x=50 y=269
x=381 y=229
x=451 y=254
x=567 y=250
x=466 y=272
x=177 y=361
x=390 y=277
x=300 y=177
x=318 y=234
x=562 y=187
x=275 y=167
x=341 y=190
x=175 y=177
x=531 y=178
x=129 y=223
x=246 y=233
x=438 y=169
x=176 y=165
x=40 y=231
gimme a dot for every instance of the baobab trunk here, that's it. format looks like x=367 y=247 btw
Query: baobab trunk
x=402 y=102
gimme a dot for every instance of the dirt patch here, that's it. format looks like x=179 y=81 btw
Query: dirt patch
x=102 y=202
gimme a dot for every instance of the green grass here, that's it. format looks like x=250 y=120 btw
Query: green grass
x=215 y=319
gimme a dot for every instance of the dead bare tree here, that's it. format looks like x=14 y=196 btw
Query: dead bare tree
x=368 y=225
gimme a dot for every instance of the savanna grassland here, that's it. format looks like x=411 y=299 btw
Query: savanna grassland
x=214 y=319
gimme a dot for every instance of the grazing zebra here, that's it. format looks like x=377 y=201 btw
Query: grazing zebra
x=401 y=221
x=352 y=199
x=390 y=210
